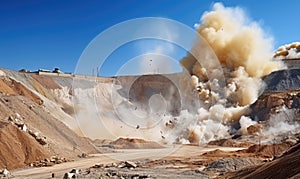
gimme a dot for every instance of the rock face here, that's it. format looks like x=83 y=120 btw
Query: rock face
x=139 y=89
x=11 y=87
x=270 y=103
x=18 y=148
x=283 y=80
x=286 y=166
x=232 y=164
x=32 y=123
x=282 y=90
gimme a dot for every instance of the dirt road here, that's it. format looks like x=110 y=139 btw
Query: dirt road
x=117 y=155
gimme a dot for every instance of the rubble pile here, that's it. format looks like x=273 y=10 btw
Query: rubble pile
x=4 y=173
x=232 y=164
x=41 y=139
x=17 y=120
x=137 y=170
x=49 y=161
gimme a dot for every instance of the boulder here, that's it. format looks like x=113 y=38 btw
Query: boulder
x=130 y=164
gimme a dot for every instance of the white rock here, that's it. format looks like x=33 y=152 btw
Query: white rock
x=5 y=172
x=74 y=170
x=194 y=81
x=130 y=164
x=24 y=128
x=36 y=134
x=18 y=116
x=2 y=73
x=69 y=175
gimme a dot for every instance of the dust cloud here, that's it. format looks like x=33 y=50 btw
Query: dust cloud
x=245 y=54
x=225 y=88
x=288 y=51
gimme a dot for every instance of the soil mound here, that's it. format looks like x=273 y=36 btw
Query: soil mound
x=228 y=143
x=232 y=164
x=268 y=151
x=18 y=148
x=218 y=153
x=286 y=166
x=46 y=81
x=271 y=102
x=6 y=89
x=61 y=141
x=132 y=143
x=100 y=142
x=11 y=87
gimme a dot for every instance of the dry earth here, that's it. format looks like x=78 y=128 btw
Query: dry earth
x=43 y=105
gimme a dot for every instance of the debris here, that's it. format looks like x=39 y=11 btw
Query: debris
x=74 y=170
x=127 y=164
x=24 y=128
x=2 y=73
x=69 y=175
x=31 y=106
x=111 y=165
x=122 y=165
x=232 y=164
x=41 y=139
x=130 y=164
x=5 y=172
x=98 y=166
x=33 y=134
x=49 y=162
x=83 y=155
x=10 y=119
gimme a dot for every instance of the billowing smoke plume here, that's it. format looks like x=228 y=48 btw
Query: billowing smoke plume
x=288 y=51
x=237 y=41
x=285 y=121
x=244 y=53
x=225 y=87
x=242 y=48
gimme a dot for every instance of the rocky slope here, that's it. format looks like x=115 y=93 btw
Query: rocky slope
x=18 y=148
x=282 y=91
x=47 y=106
x=283 y=80
x=33 y=124
x=287 y=166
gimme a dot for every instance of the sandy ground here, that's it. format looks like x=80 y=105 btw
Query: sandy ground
x=180 y=152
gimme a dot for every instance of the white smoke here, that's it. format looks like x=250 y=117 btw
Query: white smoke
x=191 y=128
x=283 y=122
x=156 y=53
x=245 y=53
x=245 y=122
x=155 y=62
x=288 y=51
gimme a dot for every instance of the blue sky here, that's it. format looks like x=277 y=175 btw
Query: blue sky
x=53 y=33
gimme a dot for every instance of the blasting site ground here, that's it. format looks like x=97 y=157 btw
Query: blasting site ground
x=40 y=136
x=185 y=162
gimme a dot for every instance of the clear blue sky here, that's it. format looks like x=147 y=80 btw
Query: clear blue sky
x=53 y=33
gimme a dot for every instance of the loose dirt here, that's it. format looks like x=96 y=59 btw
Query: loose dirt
x=18 y=148
x=130 y=143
